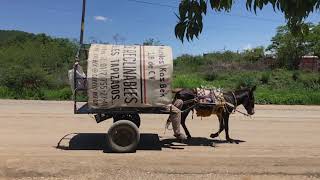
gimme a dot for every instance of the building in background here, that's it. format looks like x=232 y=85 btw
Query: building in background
x=310 y=63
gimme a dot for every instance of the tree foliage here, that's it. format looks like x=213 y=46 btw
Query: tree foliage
x=289 y=47
x=254 y=54
x=191 y=12
x=151 y=42
x=29 y=61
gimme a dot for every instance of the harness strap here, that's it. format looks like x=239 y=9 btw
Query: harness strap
x=243 y=113
x=235 y=110
x=231 y=105
x=190 y=101
x=226 y=103
x=235 y=100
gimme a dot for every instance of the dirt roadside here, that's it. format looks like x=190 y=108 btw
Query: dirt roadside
x=280 y=142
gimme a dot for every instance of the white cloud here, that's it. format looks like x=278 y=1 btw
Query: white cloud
x=101 y=18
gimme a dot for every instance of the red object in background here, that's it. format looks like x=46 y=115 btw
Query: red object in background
x=310 y=63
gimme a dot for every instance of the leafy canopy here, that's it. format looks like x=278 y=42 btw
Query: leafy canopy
x=29 y=61
x=289 y=47
x=151 y=42
x=191 y=12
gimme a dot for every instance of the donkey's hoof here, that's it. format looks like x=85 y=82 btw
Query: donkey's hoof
x=214 y=135
x=229 y=140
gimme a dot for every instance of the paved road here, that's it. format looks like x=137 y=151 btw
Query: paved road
x=280 y=142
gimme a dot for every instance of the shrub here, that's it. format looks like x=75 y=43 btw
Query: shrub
x=61 y=94
x=19 y=78
x=296 y=75
x=5 y=92
x=188 y=81
x=265 y=77
x=254 y=54
x=211 y=76
x=246 y=81
x=310 y=81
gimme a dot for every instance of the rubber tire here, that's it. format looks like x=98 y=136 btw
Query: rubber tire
x=134 y=117
x=124 y=126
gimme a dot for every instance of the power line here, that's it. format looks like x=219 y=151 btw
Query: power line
x=250 y=17
x=223 y=14
x=153 y=3
x=67 y=11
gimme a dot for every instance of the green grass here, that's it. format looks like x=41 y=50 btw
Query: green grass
x=6 y=93
x=188 y=81
x=290 y=97
x=36 y=94
x=61 y=94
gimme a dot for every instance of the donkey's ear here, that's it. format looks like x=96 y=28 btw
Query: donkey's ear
x=253 y=88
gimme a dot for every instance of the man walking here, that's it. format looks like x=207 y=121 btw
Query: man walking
x=175 y=118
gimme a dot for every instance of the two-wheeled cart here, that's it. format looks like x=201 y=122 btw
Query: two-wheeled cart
x=123 y=135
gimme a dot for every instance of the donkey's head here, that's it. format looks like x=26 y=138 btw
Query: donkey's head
x=247 y=99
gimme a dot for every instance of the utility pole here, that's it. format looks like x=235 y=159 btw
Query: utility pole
x=82 y=21
x=76 y=64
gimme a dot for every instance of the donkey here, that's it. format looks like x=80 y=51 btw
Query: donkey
x=243 y=97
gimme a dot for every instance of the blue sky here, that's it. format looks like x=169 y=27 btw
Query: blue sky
x=136 y=22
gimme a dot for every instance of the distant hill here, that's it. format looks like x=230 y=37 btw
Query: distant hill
x=11 y=35
x=31 y=63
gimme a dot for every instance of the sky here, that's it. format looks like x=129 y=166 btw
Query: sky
x=137 y=20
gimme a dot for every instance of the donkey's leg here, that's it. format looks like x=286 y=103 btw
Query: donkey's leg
x=226 y=122
x=183 y=123
x=221 y=127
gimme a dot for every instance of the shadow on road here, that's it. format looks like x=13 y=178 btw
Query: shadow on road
x=98 y=141
x=195 y=141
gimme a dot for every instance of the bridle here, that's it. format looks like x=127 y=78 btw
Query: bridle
x=249 y=100
x=236 y=104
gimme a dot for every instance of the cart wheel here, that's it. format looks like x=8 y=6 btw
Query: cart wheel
x=133 y=117
x=123 y=136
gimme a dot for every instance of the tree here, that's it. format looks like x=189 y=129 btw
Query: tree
x=118 y=38
x=151 y=42
x=254 y=54
x=34 y=62
x=289 y=47
x=313 y=39
x=190 y=13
